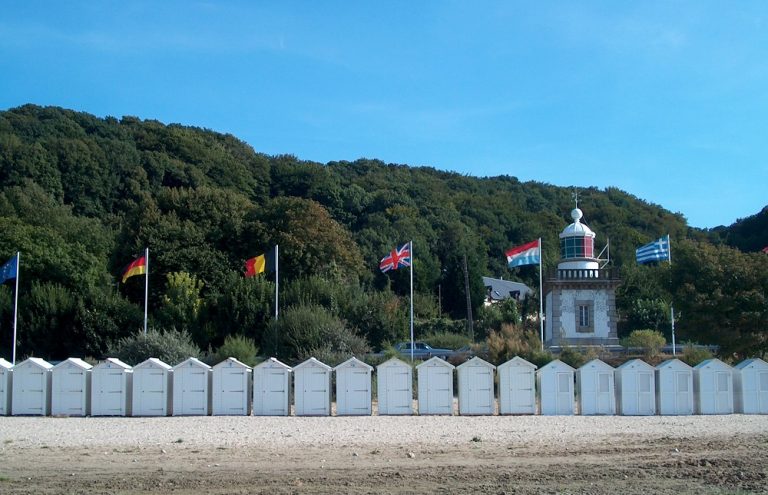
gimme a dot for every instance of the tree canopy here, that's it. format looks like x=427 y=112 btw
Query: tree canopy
x=82 y=196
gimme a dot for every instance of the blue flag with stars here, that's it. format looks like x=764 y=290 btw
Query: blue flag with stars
x=8 y=270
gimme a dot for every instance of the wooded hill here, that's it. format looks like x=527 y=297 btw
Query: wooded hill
x=82 y=196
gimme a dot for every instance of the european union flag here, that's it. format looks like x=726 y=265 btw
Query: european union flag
x=8 y=270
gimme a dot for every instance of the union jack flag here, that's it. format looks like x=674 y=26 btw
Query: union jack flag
x=399 y=257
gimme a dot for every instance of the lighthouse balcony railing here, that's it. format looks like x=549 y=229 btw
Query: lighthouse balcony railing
x=583 y=274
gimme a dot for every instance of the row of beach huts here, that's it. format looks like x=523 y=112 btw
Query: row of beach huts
x=154 y=388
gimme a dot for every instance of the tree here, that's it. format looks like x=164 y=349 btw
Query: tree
x=721 y=296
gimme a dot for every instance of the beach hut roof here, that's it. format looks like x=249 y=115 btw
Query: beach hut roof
x=353 y=362
x=312 y=363
x=517 y=361
x=476 y=361
x=273 y=363
x=436 y=361
x=76 y=361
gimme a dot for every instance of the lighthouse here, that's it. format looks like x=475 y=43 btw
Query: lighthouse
x=580 y=297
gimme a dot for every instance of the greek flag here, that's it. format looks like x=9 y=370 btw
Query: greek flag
x=657 y=250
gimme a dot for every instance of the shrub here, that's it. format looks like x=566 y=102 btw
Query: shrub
x=650 y=341
x=447 y=340
x=694 y=354
x=514 y=340
x=306 y=329
x=573 y=357
x=239 y=347
x=169 y=346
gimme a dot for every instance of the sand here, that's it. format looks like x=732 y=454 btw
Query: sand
x=376 y=454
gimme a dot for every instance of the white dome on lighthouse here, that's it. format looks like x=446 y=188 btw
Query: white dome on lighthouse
x=577 y=228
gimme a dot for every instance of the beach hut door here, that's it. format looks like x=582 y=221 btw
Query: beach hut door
x=644 y=395
x=399 y=395
x=275 y=392
x=722 y=389
x=522 y=386
x=32 y=387
x=194 y=388
x=604 y=393
x=762 y=391
x=683 y=392
x=316 y=391
x=71 y=391
x=358 y=391
x=564 y=393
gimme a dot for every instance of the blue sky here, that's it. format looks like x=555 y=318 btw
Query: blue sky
x=666 y=100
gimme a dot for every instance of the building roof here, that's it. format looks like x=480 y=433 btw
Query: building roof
x=40 y=363
x=194 y=362
x=500 y=289
x=673 y=363
x=393 y=362
x=475 y=362
x=353 y=362
x=153 y=363
x=232 y=363
x=112 y=363
x=714 y=362
x=76 y=361
x=273 y=363
x=517 y=361
x=577 y=229
x=556 y=364
x=749 y=362
x=636 y=362
x=312 y=363
x=435 y=361
x=595 y=363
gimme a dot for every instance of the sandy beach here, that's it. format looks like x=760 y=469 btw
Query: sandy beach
x=415 y=454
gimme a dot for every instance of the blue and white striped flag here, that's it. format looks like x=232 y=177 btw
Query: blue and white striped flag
x=657 y=250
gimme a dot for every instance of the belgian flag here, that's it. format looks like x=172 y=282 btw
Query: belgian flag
x=260 y=264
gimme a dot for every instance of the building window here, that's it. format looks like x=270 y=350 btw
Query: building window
x=585 y=316
x=577 y=247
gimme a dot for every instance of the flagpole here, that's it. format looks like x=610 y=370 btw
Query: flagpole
x=671 y=304
x=277 y=279
x=15 y=307
x=146 y=287
x=541 y=300
x=410 y=250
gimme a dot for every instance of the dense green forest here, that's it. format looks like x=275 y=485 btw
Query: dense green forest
x=81 y=197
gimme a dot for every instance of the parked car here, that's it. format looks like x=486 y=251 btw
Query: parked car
x=422 y=350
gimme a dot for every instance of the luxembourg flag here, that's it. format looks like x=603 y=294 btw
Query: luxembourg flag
x=527 y=254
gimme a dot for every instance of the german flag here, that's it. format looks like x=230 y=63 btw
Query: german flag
x=260 y=264
x=137 y=267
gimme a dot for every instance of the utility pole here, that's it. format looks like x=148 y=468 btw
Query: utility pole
x=470 y=326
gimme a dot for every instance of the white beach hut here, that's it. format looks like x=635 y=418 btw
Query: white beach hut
x=596 y=389
x=231 y=388
x=353 y=388
x=476 y=396
x=713 y=387
x=111 y=388
x=152 y=388
x=191 y=388
x=435 y=377
x=71 y=388
x=395 y=387
x=750 y=383
x=271 y=388
x=674 y=388
x=312 y=388
x=6 y=385
x=636 y=388
x=555 y=384
x=517 y=387
x=32 y=388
